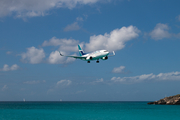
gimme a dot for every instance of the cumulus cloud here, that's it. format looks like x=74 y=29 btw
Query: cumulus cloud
x=55 y=58
x=33 y=55
x=115 y=40
x=160 y=32
x=14 y=67
x=67 y=45
x=56 y=42
x=32 y=8
x=145 y=77
x=34 y=82
x=119 y=69
x=7 y=68
x=72 y=27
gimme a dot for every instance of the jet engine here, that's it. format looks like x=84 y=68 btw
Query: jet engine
x=89 y=58
x=105 y=58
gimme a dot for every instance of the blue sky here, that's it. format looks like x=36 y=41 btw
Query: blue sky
x=145 y=35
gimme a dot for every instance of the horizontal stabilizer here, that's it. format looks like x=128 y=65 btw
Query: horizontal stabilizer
x=77 y=57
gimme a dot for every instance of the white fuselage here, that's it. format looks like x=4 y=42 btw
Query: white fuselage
x=100 y=54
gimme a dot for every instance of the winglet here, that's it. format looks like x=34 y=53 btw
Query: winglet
x=60 y=53
x=113 y=53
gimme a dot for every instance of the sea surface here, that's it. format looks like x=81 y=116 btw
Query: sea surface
x=87 y=111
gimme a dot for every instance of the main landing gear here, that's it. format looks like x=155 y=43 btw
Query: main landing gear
x=96 y=61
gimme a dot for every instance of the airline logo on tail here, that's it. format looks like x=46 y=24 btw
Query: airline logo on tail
x=81 y=53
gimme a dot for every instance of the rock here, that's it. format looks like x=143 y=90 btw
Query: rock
x=172 y=100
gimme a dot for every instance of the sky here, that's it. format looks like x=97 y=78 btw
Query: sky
x=145 y=35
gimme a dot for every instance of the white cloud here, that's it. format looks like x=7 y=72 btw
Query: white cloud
x=119 y=69
x=63 y=83
x=56 y=42
x=72 y=27
x=4 y=87
x=33 y=55
x=160 y=77
x=113 y=41
x=7 y=68
x=34 y=82
x=32 y=8
x=67 y=45
x=160 y=32
x=55 y=58
x=14 y=67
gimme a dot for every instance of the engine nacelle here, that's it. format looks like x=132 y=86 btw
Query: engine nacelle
x=105 y=58
x=89 y=58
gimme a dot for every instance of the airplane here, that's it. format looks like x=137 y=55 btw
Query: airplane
x=100 y=54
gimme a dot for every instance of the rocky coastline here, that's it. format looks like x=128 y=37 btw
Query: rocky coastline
x=171 y=100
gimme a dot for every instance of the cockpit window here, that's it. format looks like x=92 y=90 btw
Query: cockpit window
x=105 y=51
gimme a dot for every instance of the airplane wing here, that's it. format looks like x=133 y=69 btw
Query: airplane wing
x=112 y=55
x=77 y=57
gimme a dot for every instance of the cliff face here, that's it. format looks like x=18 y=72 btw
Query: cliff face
x=172 y=100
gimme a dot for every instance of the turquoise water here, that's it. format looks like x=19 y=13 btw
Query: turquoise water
x=87 y=111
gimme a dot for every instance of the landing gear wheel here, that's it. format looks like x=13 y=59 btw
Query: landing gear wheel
x=97 y=61
x=88 y=61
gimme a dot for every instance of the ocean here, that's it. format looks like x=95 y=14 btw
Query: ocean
x=87 y=111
